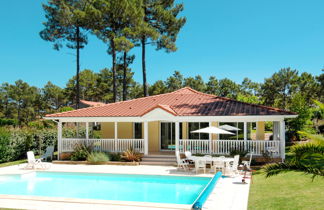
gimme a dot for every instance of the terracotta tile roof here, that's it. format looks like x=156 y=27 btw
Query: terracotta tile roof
x=183 y=102
x=92 y=103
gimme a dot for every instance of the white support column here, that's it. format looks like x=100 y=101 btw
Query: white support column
x=282 y=139
x=146 y=140
x=245 y=135
x=210 y=140
x=177 y=136
x=59 y=139
x=116 y=135
x=87 y=130
x=276 y=130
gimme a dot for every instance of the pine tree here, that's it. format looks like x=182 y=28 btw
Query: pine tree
x=116 y=24
x=65 y=24
x=161 y=28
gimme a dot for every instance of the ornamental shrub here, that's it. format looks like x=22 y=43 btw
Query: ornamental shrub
x=131 y=156
x=115 y=156
x=97 y=157
x=81 y=152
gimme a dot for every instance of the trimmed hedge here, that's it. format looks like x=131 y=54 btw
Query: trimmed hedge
x=15 y=142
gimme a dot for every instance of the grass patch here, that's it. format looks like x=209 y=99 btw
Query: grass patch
x=292 y=190
x=17 y=162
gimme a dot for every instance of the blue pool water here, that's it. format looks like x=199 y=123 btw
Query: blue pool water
x=144 y=188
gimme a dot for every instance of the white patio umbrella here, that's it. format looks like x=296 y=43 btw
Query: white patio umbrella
x=229 y=128
x=212 y=129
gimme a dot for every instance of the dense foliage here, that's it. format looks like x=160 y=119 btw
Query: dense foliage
x=14 y=143
x=286 y=89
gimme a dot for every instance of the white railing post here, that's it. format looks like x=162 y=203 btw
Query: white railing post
x=210 y=140
x=146 y=138
x=177 y=136
x=282 y=139
x=59 y=139
x=245 y=136
x=116 y=136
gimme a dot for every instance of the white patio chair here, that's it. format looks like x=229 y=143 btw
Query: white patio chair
x=231 y=168
x=182 y=163
x=48 y=153
x=227 y=170
x=208 y=159
x=200 y=164
x=218 y=165
x=188 y=154
x=235 y=164
x=247 y=163
x=189 y=157
x=33 y=162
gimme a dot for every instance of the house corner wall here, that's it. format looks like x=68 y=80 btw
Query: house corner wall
x=153 y=136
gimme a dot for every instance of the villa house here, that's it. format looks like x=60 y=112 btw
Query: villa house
x=164 y=123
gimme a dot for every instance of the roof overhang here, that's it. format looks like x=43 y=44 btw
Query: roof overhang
x=161 y=115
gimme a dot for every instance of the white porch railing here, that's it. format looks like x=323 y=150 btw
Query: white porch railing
x=224 y=147
x=195 y=146
x=104 y=145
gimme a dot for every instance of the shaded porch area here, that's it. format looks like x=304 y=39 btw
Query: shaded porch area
x=165 y=137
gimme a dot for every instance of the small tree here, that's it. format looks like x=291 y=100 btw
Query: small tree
x=303 y=121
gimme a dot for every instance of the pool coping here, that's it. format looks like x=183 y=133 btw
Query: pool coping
x=95 y=201
x=98 y=201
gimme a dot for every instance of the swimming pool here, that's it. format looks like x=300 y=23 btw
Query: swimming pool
x=116 y=187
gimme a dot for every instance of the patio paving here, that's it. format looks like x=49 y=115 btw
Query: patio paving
x=229 y=193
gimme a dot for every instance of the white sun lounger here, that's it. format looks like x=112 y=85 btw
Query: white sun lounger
x=34 y=163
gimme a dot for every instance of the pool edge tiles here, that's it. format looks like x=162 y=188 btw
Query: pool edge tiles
x=96 y=201
x=181 y=190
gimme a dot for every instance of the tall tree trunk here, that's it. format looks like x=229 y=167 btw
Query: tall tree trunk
x=18 y=114
x=113 y=50
x=143 y=41
x=78 y=68
x=125 y=77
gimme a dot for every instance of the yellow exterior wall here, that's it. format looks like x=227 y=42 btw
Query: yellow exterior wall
x=154 y=136
x=125 y=130
x=108 y=130
x=260 y=130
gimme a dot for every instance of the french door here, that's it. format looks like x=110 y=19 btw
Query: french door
x=167 y=136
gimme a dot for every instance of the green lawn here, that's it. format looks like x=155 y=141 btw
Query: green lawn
x=290 y=190
x=12 y=163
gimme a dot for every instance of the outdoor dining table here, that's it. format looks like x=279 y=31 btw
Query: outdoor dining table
x=211 y=159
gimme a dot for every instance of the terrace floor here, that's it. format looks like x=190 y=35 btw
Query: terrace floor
x=229 y=193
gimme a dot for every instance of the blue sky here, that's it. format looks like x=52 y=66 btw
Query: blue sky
x=222 y=38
